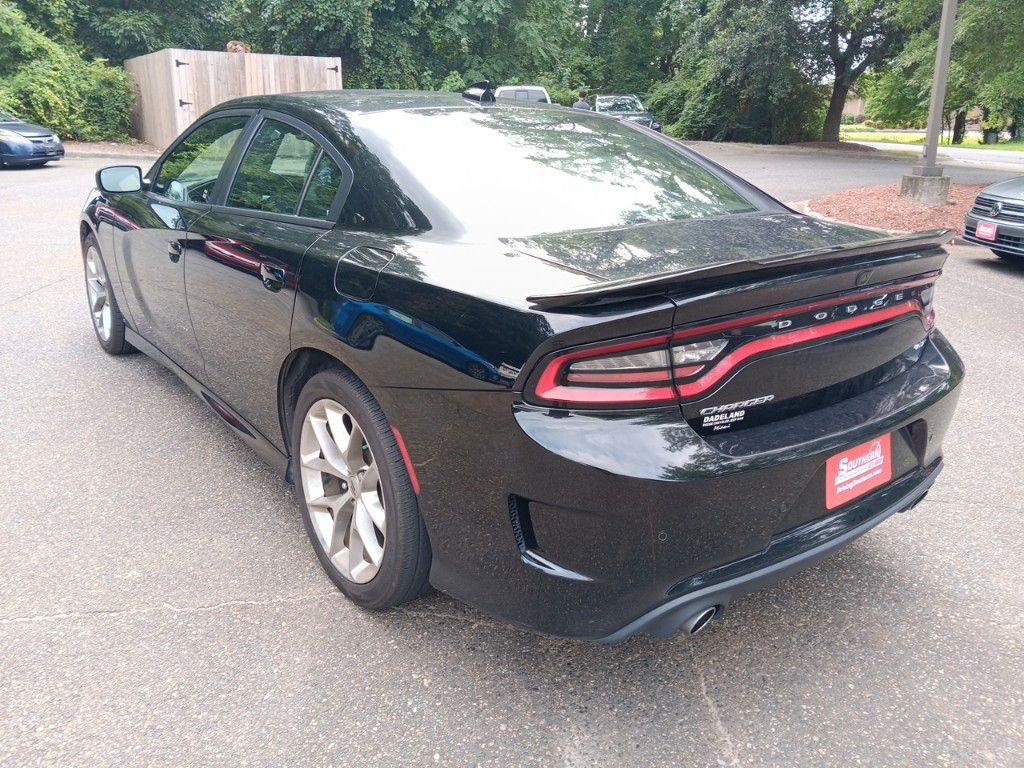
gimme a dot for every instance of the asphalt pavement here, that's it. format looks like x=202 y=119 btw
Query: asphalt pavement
x=792 y=174
x=1012 y=159
x=160 y=605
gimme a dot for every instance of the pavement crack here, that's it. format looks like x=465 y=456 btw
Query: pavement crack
x=161 y=608
x=723 y=733
x=38 y=288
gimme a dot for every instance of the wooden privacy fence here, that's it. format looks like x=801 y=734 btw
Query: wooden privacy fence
x=177 y=85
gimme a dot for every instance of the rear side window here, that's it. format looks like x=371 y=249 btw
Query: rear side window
x=323 y=187
x=273 y=172
x=190 y=170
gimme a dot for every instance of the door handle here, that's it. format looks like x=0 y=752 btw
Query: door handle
x=272 y=277
x=174 y=250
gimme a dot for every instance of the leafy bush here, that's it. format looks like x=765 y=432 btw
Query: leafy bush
x=736 y=81
x=43 y=82
x=668 y=99
x=453 y=81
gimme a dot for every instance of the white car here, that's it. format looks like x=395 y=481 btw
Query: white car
x=523 y=93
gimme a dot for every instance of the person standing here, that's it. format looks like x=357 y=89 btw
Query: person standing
x=581 y=102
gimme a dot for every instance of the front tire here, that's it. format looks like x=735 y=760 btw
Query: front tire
x=107 y=320
x=1005 y=255
x=355 y=494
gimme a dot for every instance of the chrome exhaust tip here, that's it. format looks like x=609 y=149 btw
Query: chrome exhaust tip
x=699 y=620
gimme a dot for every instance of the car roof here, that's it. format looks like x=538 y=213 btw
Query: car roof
x=354 y=101
x=523 y=85
x=330 y=111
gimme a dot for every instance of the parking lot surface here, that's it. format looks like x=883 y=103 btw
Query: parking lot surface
x=160 y=604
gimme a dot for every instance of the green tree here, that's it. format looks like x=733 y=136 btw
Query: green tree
x=986 y=69
x=740 y=75
x=45 y=82
x=894 y=99
x=846 y=38
x=631 y=43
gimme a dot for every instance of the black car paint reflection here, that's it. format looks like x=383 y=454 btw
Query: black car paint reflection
x=447 y=277
x=360 y=323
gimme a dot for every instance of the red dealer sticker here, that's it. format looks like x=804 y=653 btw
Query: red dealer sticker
x=986 y=230
x=851 y=474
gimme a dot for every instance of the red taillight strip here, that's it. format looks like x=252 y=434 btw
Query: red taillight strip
x=408 y=462
x=618 y=377
x=800 y=336
x=742 y=322
x=607 y=395
x=549 y=389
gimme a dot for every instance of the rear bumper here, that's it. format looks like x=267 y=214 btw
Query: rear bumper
x=1009 y=235
x=597 y=526
x=811 y=543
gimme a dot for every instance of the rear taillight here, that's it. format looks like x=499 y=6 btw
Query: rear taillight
x=637 y=372
x=690 y=363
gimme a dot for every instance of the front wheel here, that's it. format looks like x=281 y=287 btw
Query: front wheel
x=107 y=320
x=355 y=494
x=1008 y=256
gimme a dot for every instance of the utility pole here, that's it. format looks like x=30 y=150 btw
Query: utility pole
x=926 y=182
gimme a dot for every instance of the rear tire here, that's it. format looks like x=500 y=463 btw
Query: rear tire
x=364 y=522
x=107 y=320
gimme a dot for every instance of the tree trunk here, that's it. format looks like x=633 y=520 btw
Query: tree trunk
x=834 y=116
x=959 y=126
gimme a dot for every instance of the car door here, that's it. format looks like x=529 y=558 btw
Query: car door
x=152 y=238
x=243 y=263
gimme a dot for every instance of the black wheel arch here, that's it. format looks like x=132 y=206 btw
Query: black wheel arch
x=299 y=367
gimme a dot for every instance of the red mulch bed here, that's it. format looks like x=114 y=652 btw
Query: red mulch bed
x=882 y=207
x=848 y=146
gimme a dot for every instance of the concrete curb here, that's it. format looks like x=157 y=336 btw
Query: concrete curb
x=804 y=207
x=111 y=150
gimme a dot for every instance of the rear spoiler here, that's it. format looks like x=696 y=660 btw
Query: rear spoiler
x=717 y=274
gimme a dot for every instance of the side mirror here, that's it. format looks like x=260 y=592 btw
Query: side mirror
x=119 y=178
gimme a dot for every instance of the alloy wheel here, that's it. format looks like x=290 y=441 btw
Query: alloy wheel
x=343 y=492
x=97 y=289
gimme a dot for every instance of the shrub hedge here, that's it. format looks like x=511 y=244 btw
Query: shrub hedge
x=46 y=83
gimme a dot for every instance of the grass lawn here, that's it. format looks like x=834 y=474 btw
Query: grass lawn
x=895 y=137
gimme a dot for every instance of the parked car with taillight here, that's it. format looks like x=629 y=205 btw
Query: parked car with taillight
x=545 y=360
x=996 y=220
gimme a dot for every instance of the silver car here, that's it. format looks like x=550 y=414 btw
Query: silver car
x=996 y=220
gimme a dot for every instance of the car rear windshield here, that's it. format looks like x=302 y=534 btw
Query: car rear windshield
x=516 y=172
x=522 y=94
x=618 y=104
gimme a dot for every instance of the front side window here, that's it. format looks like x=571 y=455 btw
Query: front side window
x=190 y=171
x=273 y=172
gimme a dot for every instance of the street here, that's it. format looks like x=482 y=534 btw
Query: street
x=160 y=603
x=792 y=174
x=995 y=157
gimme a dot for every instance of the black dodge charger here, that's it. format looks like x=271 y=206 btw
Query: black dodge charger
x=549 y=362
